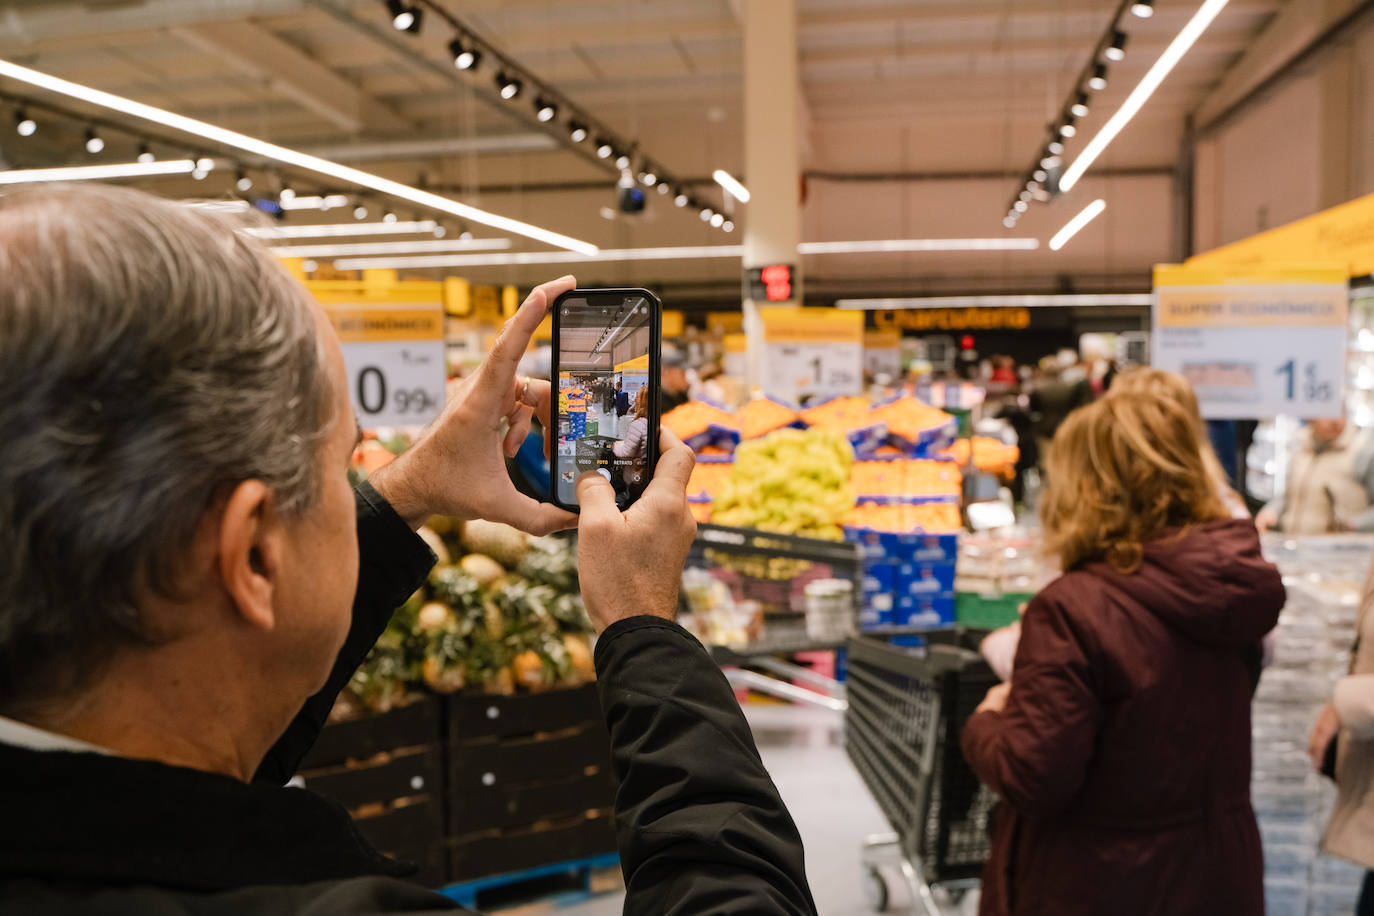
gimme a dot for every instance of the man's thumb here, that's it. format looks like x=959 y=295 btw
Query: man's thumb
x=595 y=495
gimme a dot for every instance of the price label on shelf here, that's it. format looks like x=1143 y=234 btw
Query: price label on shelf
x=809 y=351
x=394 y=358
x=1252 y=349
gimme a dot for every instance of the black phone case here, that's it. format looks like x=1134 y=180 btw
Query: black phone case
x=655 y=379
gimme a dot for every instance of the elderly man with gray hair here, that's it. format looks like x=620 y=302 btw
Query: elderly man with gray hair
x=187 y=580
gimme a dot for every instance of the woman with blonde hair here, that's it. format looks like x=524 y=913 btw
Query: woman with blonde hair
x=1171 y=386
x=1121 y=746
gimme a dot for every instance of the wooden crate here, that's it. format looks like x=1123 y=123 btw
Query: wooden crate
x=388 y=770
x=495 y=852
x=529 y=781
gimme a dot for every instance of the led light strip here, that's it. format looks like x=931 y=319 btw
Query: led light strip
x=333 y=230
x=1142 y=92
x=731 y=184
x=99 y=172
x=1010 y=301
x=287 y=156
x=546 y=257
x=918 y=245
x=1071 y=228
x=315 y=202
x=377 y=248
x=688 y=253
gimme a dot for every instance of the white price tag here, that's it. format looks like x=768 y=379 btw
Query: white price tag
x=395 y=361
x=1254 y=351
x=811 y=352
x=794 y=370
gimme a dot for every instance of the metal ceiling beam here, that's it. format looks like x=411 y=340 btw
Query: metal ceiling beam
x=21 y=26
x=441 y=146
x=283 y=68
x=522 y=114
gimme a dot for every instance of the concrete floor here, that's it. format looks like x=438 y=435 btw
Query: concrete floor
x=802 y=748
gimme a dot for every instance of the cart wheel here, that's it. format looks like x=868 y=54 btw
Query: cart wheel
x=875 y=889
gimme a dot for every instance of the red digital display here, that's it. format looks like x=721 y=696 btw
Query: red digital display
x=777 y=282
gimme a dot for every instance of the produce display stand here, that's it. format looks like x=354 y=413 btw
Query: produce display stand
x=906 y=709
x=772 y=571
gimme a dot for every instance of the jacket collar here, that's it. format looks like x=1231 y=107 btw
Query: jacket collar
x=101 y=820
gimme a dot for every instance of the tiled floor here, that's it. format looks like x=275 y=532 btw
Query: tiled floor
x=803 y=751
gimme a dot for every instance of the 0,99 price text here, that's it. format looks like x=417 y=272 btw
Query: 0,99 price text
x=372 y=395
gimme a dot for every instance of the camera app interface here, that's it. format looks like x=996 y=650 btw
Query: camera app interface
x=604 y=395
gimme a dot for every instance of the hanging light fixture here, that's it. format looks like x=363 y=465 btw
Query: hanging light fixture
x=577 y=131
x=24 y=125
x=1116 y=51
x=1098 y=81
x=1143 y=9
x=509 y=86
x=464 y=56
x=544 y=110
x=94 y=143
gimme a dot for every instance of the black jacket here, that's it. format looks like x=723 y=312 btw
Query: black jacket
x=701 y=828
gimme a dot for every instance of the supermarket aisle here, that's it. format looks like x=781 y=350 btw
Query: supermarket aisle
x=803 y=751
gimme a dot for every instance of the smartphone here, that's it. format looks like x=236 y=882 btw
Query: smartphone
x=606 y=374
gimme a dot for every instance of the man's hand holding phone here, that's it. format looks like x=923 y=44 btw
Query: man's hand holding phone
x=458 y=465
x=630 y=563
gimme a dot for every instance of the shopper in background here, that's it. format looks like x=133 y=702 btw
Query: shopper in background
x=676 y=386
x=1060 y=391
x=1330 y=484
x=1121 y=746
x=178 y=555
x=635 y=444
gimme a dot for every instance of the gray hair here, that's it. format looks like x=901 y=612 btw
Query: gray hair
x=151 y=358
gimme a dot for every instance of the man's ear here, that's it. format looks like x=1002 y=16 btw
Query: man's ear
x=251 y=544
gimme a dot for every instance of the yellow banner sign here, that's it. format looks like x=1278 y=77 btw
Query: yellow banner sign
x=1343 y=234
x=364 y=323
x=811 y=325
x=975 y=318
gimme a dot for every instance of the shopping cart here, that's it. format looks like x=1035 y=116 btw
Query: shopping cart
x=906 y=708
x=746 y=592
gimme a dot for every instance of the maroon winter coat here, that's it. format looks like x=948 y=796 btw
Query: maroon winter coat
x=1122 y=756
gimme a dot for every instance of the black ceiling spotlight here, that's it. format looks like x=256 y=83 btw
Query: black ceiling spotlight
x=1066 y=128
x=465 y=57
x=706 y=214
x=1116 y=51
x=145 y=155
x=1143 y=9
x=510 y=86
x=622 y=161
x=1098 y=81
x=360 y=211
x=663 y=188
x=544 y=110
x=681 y=199
x=94 y=143
x=647 y=176
x=577 y=131
x=243 y=182
x=405 y=17
x=604 y=148
x=1079 y=108
x=25 y=125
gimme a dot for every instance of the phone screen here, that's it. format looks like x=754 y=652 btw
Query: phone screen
x=606 y=366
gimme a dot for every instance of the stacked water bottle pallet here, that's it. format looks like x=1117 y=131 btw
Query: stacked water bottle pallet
x=1323 y=576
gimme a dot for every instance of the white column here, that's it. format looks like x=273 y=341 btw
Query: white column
x=772 y=153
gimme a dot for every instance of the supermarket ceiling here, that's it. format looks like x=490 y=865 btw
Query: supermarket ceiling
x=919 y=117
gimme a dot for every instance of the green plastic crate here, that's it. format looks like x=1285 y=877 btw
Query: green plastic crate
x=972 y=609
